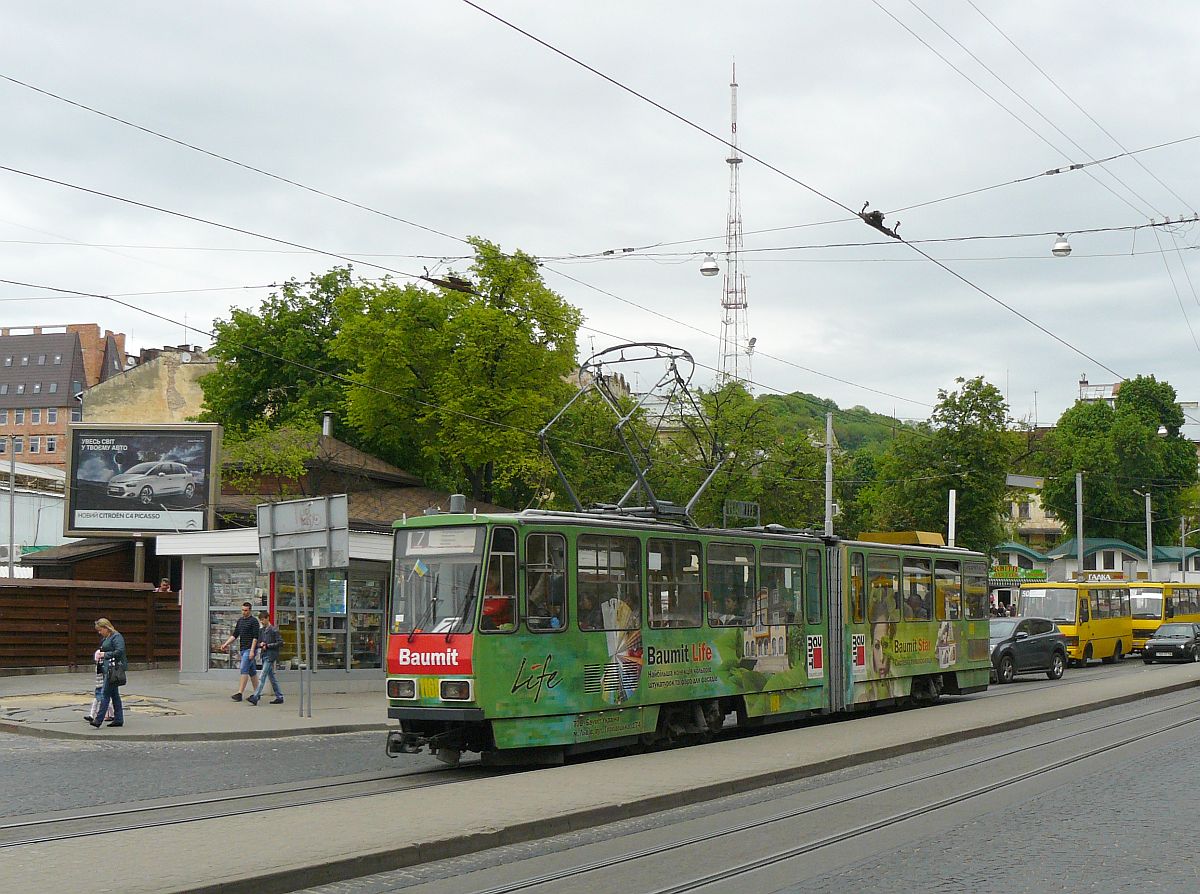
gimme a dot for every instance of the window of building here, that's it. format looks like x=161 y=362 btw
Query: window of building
x=54 y=387
x=51 y=444
x=52 y=416
x=35 y=444
x=349 y=616
x=1110 y=560
x=18 y=417
x=3 y=417
x=76 y=414
x=1089 y=562
x=609 y=585
x=3 y=387
x=673 y=580
x=18 y=445
x=24 y=361
x=8 y=361
x=37 y=387
x=732 y=585
x=41 y=359
x=499 y=613
x=1024 y=561
x=36 y=415
x=58 y=359
x=76 y=387
x=20 y=388
x=228 y=587
x=545 y=582
x=1023 y=510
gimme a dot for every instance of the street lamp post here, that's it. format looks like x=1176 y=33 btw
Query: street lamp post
x=1149 y=542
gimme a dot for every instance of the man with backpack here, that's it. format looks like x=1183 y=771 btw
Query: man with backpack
x=269 y=642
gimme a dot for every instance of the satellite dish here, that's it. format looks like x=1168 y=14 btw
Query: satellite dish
x=185 y=357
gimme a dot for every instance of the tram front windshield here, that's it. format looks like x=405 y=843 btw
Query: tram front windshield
x=1146 y=603
x=436 y=579
x=1057 y=605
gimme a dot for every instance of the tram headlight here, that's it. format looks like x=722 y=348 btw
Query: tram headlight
x=456 y=690
x=402 y=688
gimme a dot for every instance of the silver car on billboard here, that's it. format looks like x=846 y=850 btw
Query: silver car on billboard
x=150 y=482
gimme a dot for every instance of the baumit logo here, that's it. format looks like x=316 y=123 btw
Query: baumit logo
x=429 y=654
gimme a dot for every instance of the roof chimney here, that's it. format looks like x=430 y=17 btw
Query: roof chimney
x=327 y=423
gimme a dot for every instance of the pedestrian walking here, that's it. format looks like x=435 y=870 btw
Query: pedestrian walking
x=115 y=662
x=269 y=642
x=245 y=631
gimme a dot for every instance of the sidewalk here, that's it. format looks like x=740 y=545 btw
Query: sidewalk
x=159 y=707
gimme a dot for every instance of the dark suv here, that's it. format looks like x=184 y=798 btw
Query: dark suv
x=1027 y=646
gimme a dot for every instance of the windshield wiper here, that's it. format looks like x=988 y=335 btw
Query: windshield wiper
x=430 y=615
x=461 y=620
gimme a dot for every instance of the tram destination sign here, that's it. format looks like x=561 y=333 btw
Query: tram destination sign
x=314 y=532
x=125 y=479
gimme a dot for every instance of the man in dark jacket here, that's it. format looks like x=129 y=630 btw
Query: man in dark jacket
x=245 y=631
x=269 y=642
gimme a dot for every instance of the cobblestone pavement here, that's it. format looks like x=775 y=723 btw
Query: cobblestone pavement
x=44 y=775
x=1066 y=840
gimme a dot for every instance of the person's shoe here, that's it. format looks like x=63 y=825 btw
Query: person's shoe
x=116 y=723
x=277 y=701
x=237 y=696
x=253 y=699
x=88 y=718
x=96 y=723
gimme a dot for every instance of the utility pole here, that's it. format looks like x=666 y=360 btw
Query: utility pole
x=828 y=474
x=736 y=346
x=1079 y=521
x=1149 y=540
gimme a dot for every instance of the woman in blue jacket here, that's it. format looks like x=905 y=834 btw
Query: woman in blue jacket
x=112 y=649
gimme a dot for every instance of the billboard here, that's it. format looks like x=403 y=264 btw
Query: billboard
x=127 y=479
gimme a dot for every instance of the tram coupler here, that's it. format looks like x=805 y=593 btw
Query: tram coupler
x=400 y=742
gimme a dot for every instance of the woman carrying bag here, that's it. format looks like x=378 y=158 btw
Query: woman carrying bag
x=112 y=655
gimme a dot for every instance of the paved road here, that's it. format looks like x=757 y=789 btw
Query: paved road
x=1114 y=822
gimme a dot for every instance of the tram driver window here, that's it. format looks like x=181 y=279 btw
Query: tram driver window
x=609 y=584
x=673 y=581
x=499 y=614
x=731 y=585
x=545 y=582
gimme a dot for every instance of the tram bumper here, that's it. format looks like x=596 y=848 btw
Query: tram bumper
x=444 y=731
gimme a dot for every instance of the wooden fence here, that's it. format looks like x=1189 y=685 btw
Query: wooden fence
x=51 y=623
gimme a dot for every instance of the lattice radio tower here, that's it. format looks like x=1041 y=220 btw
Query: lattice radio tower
x=736 y=345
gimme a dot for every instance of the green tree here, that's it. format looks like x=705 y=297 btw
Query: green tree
x=453 y=382
x=965 y=446
x=1134 y=445
x=274 y=365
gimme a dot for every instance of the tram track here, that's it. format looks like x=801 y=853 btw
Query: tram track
x=126 y=819
x=864 y=829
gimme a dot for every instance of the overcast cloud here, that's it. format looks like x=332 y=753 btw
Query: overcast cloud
x=438 y=114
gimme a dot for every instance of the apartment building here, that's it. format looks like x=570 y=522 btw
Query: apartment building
x=43 y=370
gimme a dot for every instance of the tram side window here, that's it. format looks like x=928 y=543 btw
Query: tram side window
x=883 y=588
x=545 y=582
x=975 y=588
x=858 y=571
x=947 y=590
x=673 y=583
x=812 y=586
x=918 y=589
x=499 y=614
x=609 y=584
x=781 y=573
x=731 y=585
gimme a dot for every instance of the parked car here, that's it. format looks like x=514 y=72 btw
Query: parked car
x=1174 y=641
x=1026 y=646
x=148 y=482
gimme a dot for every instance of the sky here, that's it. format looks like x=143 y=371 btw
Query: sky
x=447 y=123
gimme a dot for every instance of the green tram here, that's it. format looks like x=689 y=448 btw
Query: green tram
x=533 y=635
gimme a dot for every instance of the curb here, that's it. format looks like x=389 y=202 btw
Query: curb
x=403 y=856
x=37 y=732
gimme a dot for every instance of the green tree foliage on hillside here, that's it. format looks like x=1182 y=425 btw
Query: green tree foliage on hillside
x=965 y=446
x=1133 y=445
x=455 y=383
x=855 y=429
x=274 y=365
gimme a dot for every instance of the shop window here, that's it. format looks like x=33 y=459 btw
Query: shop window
x=228 y=587
x=499 y=614
x=731 y=585
x=545 y=582
x=366 y=598
x=782 y=576
x=609 y=584
x=673 y=583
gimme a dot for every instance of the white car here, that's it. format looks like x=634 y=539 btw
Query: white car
x=148 y=482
